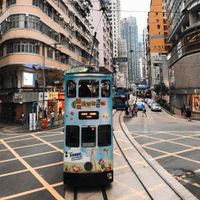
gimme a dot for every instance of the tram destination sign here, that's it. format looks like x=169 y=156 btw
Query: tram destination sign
x=89 y=115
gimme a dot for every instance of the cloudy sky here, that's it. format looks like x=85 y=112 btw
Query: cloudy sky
x=138 y=9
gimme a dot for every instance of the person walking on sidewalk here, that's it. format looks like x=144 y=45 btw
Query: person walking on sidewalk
x=144 y=111
x=52 y=117
x=183 y=109
x=188 y=114
x=135 y=109
x=22 y=119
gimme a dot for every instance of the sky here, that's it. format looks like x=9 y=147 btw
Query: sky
x=138 y=9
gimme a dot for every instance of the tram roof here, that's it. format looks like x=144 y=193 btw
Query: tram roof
x=87 y=69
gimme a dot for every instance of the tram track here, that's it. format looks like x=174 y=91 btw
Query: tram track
x=78 y=193
x=119 y=127
x=163 y=189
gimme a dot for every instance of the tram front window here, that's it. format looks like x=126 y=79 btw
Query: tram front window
x=71 y=89
x=104 y=135
x=72 y=136
x=105 y=88
x=88 y=88
x=88 y=136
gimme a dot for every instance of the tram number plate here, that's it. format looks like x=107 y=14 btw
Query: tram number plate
x=89 y=115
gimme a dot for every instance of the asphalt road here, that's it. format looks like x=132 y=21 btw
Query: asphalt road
x=31 y=165
x=173 y=142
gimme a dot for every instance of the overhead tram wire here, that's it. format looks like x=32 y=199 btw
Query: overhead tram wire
x=133 y=11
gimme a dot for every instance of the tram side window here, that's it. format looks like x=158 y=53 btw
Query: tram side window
x=71 y=89
x=104 y=135
x=105 y=88
x=88 y=136
x=88 y=88
x=72 y=136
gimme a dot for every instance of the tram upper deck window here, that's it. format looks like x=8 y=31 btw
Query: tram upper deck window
x=88 y=136
x=72 y=136
x=105 y=88
x=71 y=89
x=88 y=88
x=104 y=135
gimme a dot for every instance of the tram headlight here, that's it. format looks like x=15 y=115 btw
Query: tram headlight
x=109 y=175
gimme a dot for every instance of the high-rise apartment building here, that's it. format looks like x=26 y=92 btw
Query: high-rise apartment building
x=103 y=28
x=129 y=32
x=114 y=15
x=157 y=45
x=184 y=55
x=39 y=40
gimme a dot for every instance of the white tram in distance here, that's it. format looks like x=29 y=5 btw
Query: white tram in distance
x=88 y=141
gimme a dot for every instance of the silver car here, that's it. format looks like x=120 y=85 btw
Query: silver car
x=156 y=107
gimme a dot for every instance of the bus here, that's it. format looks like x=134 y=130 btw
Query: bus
x=119 y=98
x=88 y=136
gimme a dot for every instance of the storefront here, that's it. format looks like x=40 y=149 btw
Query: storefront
x=61 y=98
x=196 y=103
x=52 y=100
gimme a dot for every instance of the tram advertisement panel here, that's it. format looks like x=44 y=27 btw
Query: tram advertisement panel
x=88 y=125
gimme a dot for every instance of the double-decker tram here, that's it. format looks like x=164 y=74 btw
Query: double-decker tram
x=88 y=144
x=119 y=98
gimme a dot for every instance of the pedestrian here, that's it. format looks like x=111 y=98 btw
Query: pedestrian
x=45 y=113
x=135 y=109
x=126 y=108
x=144 y=111
x=131 y=105
x=52 y=117
x=22 y=119
x=183 y=109
x=60 y=111
x=188 y=114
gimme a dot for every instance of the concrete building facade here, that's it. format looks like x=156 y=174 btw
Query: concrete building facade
x=157 y=45
x=39 y=40
x=129 y=32
x=114 y=15
x=184 y=56
x=103 y=28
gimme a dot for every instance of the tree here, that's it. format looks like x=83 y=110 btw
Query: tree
x=161 y=89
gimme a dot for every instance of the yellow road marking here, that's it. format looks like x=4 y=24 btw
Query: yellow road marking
x=49 y=165
x=51 y=135
x=22 y=193
x=16 y=172
x=39 y=154
x=18 y=140
x=57 y=184
x=187 y=159
x=2 y=150
x=34 y=172
x=48 y=143
x=31 y=145
x=8 y=160
x=55 y=141
x=166 y=154
x=193 y=184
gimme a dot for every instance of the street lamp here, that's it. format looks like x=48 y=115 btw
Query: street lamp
x=130 y=70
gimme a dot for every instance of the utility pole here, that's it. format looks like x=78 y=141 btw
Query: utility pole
x=44 y=82
x=94 y=38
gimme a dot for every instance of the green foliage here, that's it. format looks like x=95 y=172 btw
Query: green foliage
x=161 y=89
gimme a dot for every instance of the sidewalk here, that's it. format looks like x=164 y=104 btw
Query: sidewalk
x=11 y=127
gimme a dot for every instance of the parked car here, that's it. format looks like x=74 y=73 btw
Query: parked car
x=150 y=103
x=156 y=107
